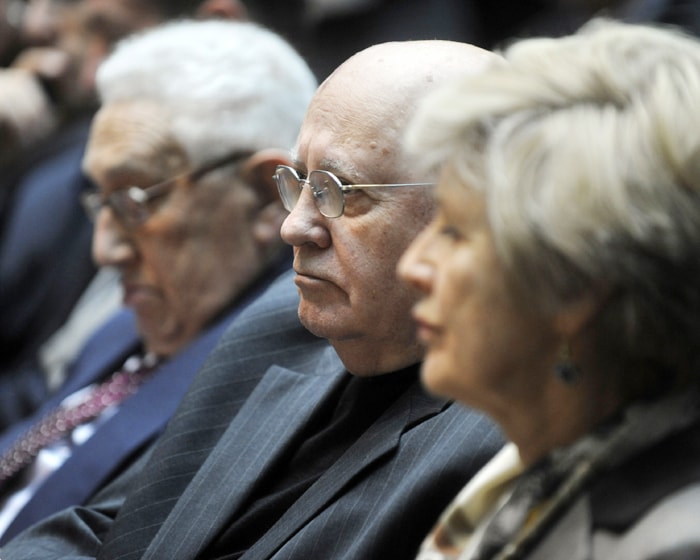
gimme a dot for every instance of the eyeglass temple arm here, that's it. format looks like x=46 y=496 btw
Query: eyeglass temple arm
x=389 y=185
x=227 y=159
x=160 y=189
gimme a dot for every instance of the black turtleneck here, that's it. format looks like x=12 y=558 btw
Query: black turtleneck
x=340 y=422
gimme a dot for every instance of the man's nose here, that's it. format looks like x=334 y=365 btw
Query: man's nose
x=111 y=244
x=305 y=224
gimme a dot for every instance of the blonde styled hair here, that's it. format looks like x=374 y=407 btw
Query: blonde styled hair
x=587 y=150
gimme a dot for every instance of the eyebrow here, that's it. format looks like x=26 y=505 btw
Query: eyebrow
x=335 y=166
x=125 y=173
x=297 y=163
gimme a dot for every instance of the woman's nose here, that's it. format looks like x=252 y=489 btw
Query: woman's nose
x=414 y=268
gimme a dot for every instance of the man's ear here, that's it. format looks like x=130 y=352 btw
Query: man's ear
x=258 y=172
x=222 y=9
x=259 y=169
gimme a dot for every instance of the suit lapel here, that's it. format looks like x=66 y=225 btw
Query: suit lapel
x=136 y=423
x=254 y=440
x=381 y=438
x=104 y=353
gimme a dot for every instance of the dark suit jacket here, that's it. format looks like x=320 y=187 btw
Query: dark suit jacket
x=45 y=261
x=137 y=423
x=377 y=501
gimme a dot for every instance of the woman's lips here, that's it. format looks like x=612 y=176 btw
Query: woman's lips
x=426 y=331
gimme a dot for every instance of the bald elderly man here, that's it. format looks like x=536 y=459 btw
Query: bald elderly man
x=337 y=452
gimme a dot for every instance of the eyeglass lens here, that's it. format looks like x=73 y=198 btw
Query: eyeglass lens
x=328 y=194
x=289 y=186
x=128 y=205
x=326 y=189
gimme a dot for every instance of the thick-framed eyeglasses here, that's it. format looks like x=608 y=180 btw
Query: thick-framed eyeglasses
x=328 y=191
x=131 y=205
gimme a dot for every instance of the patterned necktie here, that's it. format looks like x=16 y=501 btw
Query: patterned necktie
x=59 y=422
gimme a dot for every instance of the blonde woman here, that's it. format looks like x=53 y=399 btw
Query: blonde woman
x=561 y=294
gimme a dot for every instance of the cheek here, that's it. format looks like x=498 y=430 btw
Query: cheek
x=186 y=274
x=463 y=309
x=447 y=368
x=469 y=365
x=381 y=256
x=166 y=262
x=440 y=374
x=199 y=273
x=374 y=284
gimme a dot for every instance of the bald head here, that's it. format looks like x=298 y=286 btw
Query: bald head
x=410 y=65
x=376 y=91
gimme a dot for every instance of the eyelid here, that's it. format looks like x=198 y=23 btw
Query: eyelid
x=301 y=174
x=451 y=231
x=299 y=168
x=343 y=181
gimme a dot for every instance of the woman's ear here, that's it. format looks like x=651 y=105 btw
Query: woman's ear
x=573 y=317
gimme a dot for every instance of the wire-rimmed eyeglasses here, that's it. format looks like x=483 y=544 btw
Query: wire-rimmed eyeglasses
x=130 y=205
x=328 y=191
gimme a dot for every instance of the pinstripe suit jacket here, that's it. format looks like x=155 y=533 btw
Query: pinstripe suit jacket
x=377 y=501
x=139 y=420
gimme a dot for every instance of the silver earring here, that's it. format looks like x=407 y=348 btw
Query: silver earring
x=565 y=369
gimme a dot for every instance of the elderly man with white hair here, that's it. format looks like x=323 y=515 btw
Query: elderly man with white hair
x=195 y=118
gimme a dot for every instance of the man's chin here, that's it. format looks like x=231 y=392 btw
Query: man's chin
x=313 y=325
x=320 y=322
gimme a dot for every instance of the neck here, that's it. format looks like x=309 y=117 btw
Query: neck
x=367 y=359
x=561 y=414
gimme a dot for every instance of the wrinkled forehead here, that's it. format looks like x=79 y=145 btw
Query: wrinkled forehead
x=348 y=132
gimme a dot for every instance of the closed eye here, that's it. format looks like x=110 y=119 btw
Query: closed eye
x=349 y=190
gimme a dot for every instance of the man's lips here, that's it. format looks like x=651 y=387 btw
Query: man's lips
x=307 y=275
x=135 y=293
x=305 y=280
